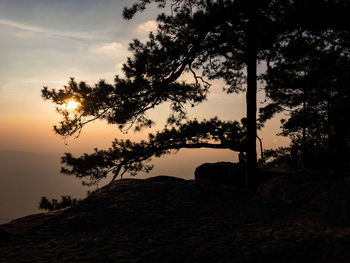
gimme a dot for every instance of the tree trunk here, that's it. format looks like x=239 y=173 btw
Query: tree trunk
x=304 y=148
x=251 y=102
x=261 y=150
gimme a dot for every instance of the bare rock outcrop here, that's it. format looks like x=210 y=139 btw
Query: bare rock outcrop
x=165 y=219
x=228 y=173
x=328 y=195
x=233 y=174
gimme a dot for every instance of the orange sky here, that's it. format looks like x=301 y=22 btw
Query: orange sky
x=43 y=44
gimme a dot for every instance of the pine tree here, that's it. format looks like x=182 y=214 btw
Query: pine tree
x=309 y=79
x=209 y=39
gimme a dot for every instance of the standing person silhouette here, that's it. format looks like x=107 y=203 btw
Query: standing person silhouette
x=242 y=158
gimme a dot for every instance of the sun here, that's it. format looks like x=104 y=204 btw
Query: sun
x=72 y=105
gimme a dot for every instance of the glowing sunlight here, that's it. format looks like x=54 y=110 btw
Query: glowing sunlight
x=72 y=105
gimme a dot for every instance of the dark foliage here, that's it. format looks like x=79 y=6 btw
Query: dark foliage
x=309 y=79
x=279 y=157
x=207 y=39
x=133 y=157
x=54 y=204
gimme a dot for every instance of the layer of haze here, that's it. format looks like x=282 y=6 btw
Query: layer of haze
x=43 y=43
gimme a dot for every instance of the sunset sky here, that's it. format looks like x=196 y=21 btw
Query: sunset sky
x=44 y=42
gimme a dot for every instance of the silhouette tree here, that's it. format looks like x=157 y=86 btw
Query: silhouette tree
x=309 y=79
x=133 y=157
x=279 y=157
x=208 y=39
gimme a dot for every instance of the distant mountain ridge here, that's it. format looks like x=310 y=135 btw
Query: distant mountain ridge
x=4 y=220
x=21 y=152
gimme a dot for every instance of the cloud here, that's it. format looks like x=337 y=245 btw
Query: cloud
x=114 y=49
x=46 y=31
x=145 y=28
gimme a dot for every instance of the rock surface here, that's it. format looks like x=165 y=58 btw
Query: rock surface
x=328 y=195
x=166 y=219
x=233 y=174
x=221 y=173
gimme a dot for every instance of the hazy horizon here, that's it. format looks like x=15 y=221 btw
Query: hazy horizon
x=59 y=40
x=28 y=176
x=44 y=43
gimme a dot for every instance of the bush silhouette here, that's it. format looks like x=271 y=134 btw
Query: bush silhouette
x=54 y=204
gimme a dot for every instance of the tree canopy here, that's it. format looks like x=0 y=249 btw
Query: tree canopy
x=133 y=157
x=223 y=39
x=309 y=80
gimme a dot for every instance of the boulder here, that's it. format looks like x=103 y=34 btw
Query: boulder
x=228 y=173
